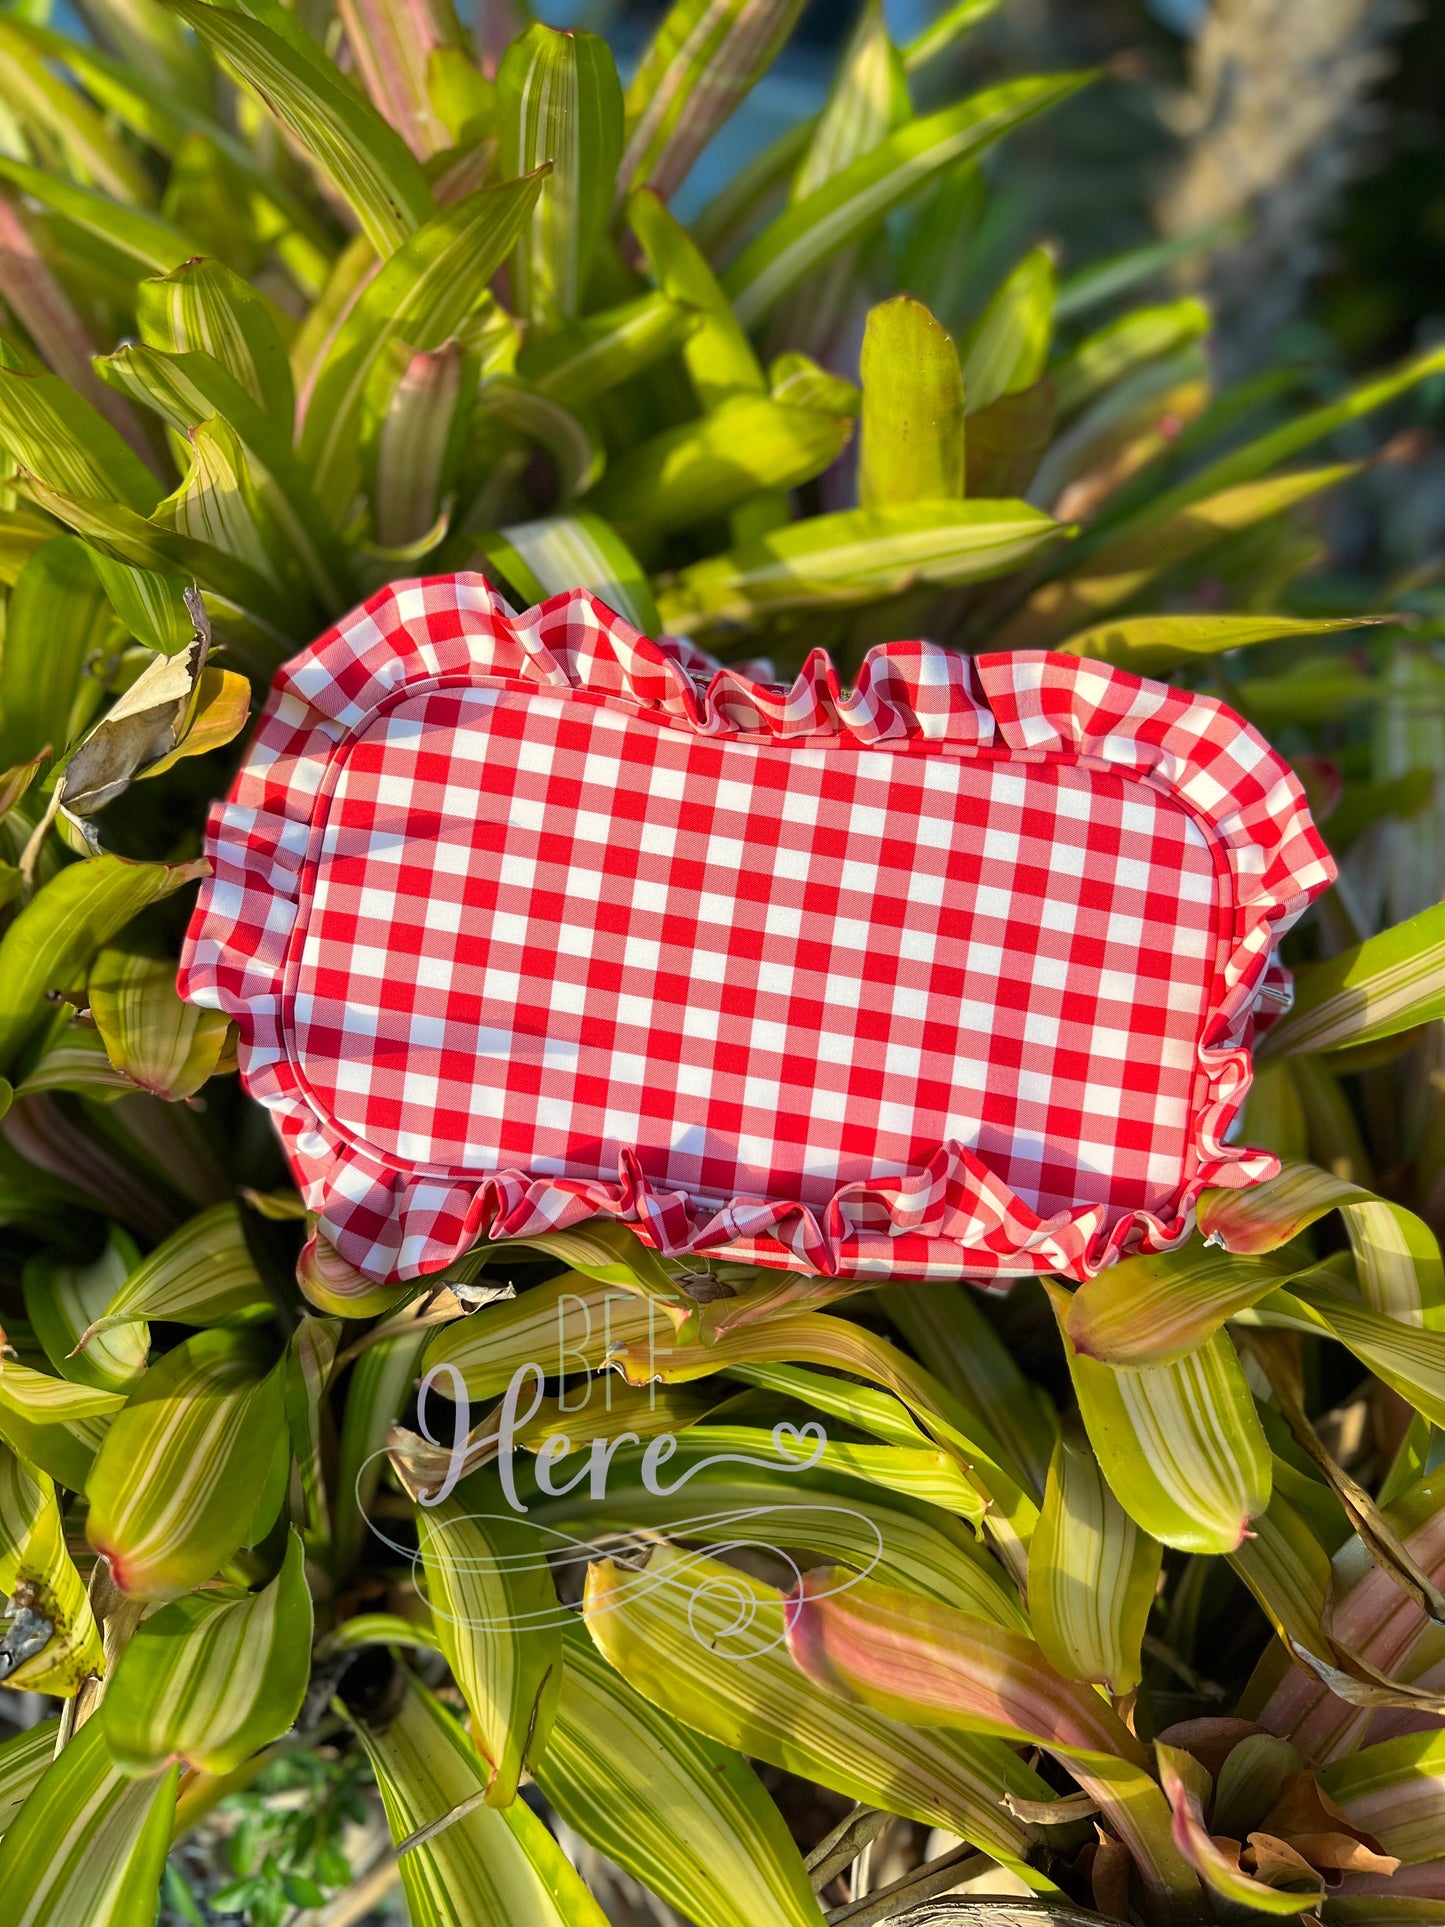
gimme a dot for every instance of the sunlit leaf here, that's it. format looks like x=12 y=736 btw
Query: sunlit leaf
x=49 y=1641
x=912 y=444
x=212 y=1678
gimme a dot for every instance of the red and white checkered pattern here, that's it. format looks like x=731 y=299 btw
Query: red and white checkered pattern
x=525 y=919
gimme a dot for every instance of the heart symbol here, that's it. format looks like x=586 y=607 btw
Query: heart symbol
x=788 y=1438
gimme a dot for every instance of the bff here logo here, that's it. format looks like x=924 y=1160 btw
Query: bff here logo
x=506 y=1545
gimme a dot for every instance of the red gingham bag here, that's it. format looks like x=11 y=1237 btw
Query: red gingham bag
x=526 y=919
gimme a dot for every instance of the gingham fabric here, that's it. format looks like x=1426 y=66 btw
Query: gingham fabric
x=525 y=919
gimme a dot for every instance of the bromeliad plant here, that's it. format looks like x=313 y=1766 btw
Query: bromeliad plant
x=297 y=303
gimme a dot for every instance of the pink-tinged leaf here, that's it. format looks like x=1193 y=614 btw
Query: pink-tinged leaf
x=927 y=1664
x=40 y=302
x=393 y=41
x=1148 y=1310
x=705 y=58
x=1217 y=1861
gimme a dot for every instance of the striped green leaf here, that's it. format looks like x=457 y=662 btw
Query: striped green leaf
x=51 y=107
x=57 y=620
x=943 y=1323
x=150 y=607
x=1092 y=1574
x=854 y=556
x=685 y=1816
x=471 y=1862
x=1180 y=1444
x=63 y=1300
x=912 y=446
x=1153 y=1310
x=1386 y=984
x=54 y=1423
x=565 y=1325
x=945 y=29
x=559 y=100
x=145 y=241
x=500 y=1626
x=367 y=163
x=701 y=469
x=584 y=359
x=672 y=1631
x=545 y=558
x=310 y=1360
x=719 y=357
x=50 y=1642
x=219 y=505
x=417 y=444
x=929 y=1664
x=210 y=1679
x=1397 y=1255
x=395 y=47
x=1407 y=1357
x=812 y=1338
x=23 y=1758
x=184 y=1468
x=868 y=100
x=852 y=203
x=202 y=1274
x=54 y=938
x=1396 y=1791
x=1009 y=345
x=62 y=440
x=203 y=307
x=163 y=1045
x=421 y=296
x=704 y=59
x=89 y=1844
x=377 y=1393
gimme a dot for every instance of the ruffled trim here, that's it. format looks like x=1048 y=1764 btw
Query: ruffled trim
x=951 y=1215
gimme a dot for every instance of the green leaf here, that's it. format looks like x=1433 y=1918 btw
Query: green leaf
x=368 y=164
x=943 y=1323
x=53 y=940
x=1105 y=357
x=183 y=1468
x=912 y=446
x=925 y=1663
x=90 y=1843
x=704 y=60
x=549 y=557
x=376 y=1393
x=163 y=1045
x=587 y=358
x=396 y=48
x=1010 y=344
x=1387 y=984
x=191 y=388
x=500 y=1626
x=1150 y=645
x=310 y=1361
x=1092 y=1574
x=421 y=296
x=868 y=100
x=854 y=202
x=45 y=101
x=1394 y=1791
x=1153 y=1310
x=947 y=27
x=23 y=1758
x=145 y=241
x=485 y=1863
x=719 y=357
x=559 y=100
x=54 y=1424
x=566 y=1325
x=57 y=620
x=1180 y=1444
x=856 y=556
x=1407 y=1357
x=202 y=1274
x=417 y=444
x=673 y=1632
x=701 y=469
x=150 y=607
x=685 y=1816
x=201 y=306
x=210 y=1679
x=61 y=439
x=62 y=1300
x=40 y=1579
